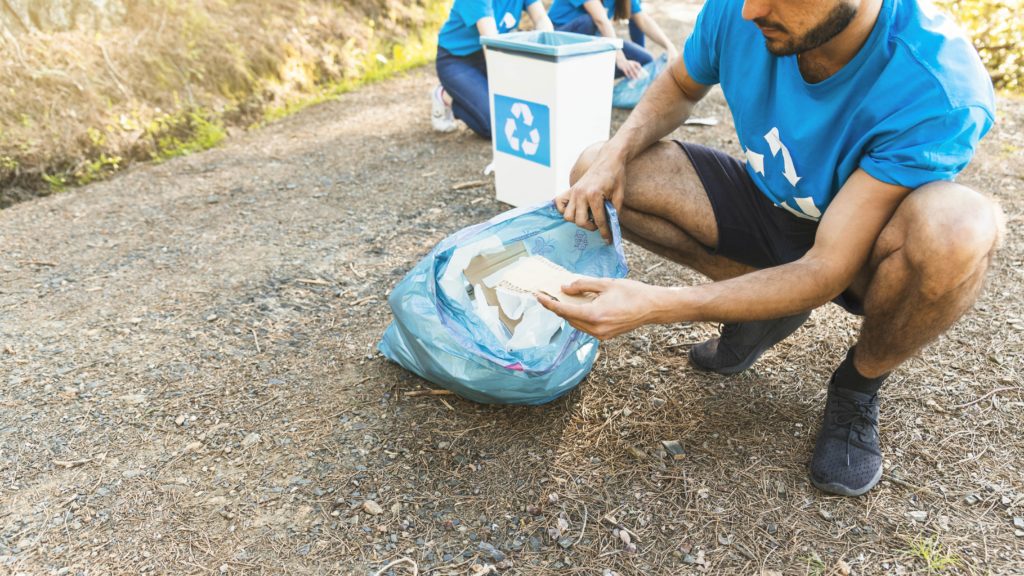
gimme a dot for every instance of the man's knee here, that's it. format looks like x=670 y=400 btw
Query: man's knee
x=950 y=235
x=584 y=161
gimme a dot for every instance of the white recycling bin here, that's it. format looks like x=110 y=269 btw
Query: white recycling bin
x=551 y=97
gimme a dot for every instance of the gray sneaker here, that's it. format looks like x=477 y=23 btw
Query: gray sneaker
x=847 y=458
x=741 y=344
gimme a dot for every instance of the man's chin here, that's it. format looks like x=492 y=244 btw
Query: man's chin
x=778 y=48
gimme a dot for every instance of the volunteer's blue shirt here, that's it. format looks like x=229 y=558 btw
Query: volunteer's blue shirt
x=459 y=34
x=909 y=108
x=564 y=11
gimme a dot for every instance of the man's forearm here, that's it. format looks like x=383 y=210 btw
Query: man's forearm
x=765 y=294
x=662 y=109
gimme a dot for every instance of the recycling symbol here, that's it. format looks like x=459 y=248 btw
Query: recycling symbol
x=521 y=112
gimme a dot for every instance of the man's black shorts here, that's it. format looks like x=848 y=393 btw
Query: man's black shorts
x=751 y=229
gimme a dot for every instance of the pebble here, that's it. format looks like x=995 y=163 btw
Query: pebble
x=1018 y=522
x=180 y=420
x=917 y=515
x=250 y=439
x=971 y=499
x=825 y=514
x=371 y=507
x=491 y=551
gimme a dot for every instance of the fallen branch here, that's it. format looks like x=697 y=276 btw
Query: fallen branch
x=415 y=568
x=438 y=392
x=981 y=398
x=470 y=184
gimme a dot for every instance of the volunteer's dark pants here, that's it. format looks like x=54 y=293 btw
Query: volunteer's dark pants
x=465 y=80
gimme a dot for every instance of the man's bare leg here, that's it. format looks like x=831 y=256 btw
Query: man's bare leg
x=667 y=211
x=926 y=270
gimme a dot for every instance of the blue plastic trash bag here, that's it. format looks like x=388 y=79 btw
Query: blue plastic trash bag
x=437 y=335
x=627 y=93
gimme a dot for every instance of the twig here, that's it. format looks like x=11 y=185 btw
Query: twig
x=72 y=463
x=431 y=392
x=445 y=402
x=908 y=485
x=37 y=262
x=470 y=184
x=362 y=301
x=256 y=340
x=113 y=73
x=415 y=568
x=584 y=529
x=980 y=398
x=316 y=281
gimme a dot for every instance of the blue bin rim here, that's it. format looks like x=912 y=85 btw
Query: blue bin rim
x=566 y=43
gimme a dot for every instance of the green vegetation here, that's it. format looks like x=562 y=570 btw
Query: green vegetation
x=996 y=30
x=132 y=96
x=933 y=555
x=184 y=133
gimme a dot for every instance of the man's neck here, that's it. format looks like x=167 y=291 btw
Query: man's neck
x=822 y=62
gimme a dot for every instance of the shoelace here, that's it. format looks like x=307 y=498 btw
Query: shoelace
x=857 y=417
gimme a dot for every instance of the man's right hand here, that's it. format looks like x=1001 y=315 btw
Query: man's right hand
x=583 y=203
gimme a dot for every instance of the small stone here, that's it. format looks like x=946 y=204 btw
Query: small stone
x=842 y=568
x=211 y=317
x=917 y=515
x=565 y=542
x=726 y=539
x=553 y=498
x=372 y=508
x=631 y=548
x=250 y=439
x=223 y=568
x=825 y=514
x=1018 y=522
x=971 y=499
x=1005 y=500
x=673 y=449
x=772 y=528
x=533 y=510
x=132 y=473
x=625 y=537
x=180 y=420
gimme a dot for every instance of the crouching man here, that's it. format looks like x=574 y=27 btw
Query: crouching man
x=854 y=116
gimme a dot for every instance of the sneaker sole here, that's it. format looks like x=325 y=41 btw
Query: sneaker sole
x=767 y=342
x=842 y=490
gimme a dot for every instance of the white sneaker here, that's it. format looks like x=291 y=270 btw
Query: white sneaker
x=441 y=116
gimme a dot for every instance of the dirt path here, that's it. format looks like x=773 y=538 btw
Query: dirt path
x=189 y=384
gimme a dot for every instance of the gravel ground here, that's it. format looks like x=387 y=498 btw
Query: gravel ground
x=189 y=385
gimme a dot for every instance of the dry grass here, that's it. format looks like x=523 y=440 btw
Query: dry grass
x=79 y=105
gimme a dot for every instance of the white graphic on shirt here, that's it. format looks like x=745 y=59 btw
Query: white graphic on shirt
x=807 y=208
x=509 y=21
x=755 y=160
x=775 y=143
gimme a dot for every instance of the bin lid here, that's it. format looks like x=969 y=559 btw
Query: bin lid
x=557 y=44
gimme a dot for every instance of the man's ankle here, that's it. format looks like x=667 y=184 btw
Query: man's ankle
x=848 y=377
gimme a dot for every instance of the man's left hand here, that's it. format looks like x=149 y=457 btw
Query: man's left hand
x=620 y=306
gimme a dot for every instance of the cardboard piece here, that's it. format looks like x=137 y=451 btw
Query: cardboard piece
x=484 y=266
x=538 y=274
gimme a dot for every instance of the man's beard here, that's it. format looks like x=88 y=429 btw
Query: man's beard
x=836 y=21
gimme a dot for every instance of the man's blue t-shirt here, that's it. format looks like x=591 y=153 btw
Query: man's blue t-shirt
x=909 y=108
x=564 y=11
x=459 y=34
